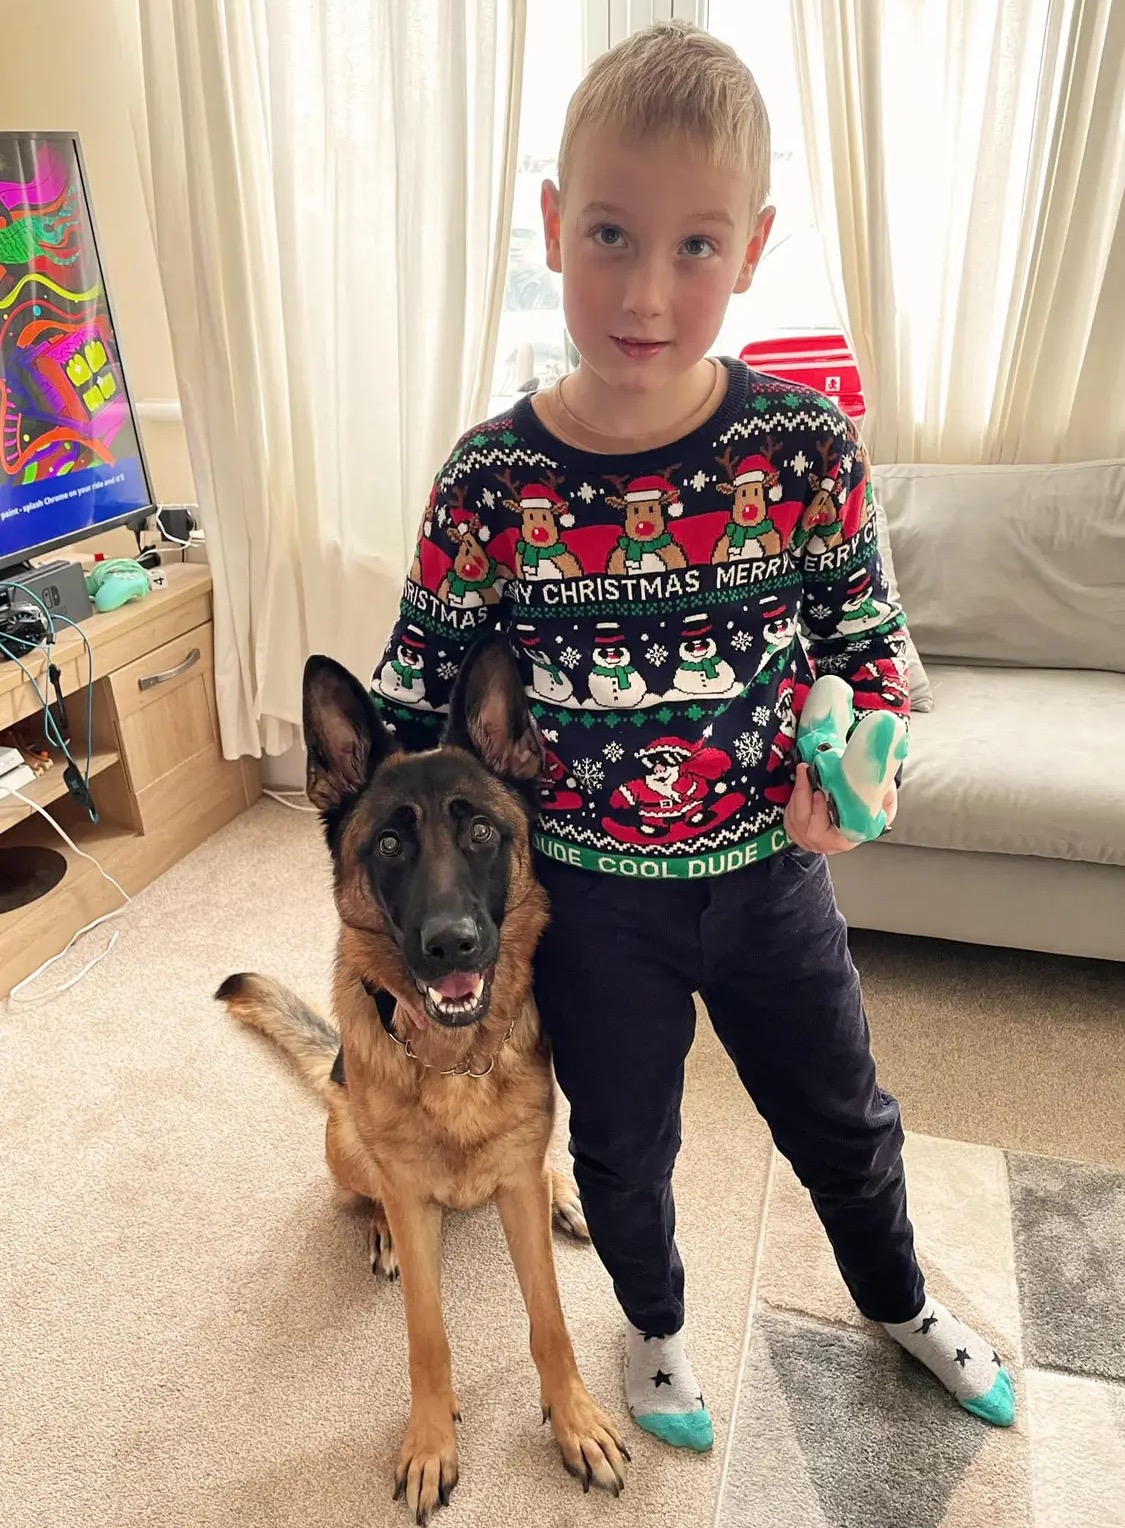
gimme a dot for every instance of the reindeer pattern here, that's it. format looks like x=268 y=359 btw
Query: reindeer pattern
x=475 y=578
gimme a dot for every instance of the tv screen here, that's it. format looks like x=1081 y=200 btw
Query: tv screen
x=71 y=462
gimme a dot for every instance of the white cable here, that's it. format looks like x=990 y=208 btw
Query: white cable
x=13 y=999
x=175 y=540
x=281 y=797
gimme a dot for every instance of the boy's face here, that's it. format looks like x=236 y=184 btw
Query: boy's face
x=651 y=241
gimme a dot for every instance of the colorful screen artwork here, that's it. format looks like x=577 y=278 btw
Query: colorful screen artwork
x=70 y=460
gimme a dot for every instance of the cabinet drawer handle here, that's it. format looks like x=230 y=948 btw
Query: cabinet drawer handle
x=151 y=680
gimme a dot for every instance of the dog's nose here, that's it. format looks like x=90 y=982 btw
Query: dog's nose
x=446 y=938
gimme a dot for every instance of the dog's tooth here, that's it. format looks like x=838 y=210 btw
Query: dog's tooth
x=435 y=996
x=478 y=989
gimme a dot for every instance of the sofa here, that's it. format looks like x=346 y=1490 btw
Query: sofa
x=1011 y=822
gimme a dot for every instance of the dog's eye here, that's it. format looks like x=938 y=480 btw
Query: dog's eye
x=389 y=844
x=482 y=832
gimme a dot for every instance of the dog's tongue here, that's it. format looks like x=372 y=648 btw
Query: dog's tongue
x=457 y=985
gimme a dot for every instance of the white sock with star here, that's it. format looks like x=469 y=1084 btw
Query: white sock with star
x=662 y=1391
x=962 y=1360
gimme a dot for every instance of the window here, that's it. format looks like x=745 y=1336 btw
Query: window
x=532 y=340
x=790 y=293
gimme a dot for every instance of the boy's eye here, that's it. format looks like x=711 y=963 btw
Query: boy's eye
x=609 y=236
x=698 y=248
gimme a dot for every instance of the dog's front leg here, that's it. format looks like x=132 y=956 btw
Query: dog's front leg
x=427 y=1464
x=591 y=1446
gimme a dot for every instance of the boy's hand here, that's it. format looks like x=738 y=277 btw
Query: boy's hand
x=806 y=817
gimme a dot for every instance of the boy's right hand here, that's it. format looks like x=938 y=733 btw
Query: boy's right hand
x=807 y=821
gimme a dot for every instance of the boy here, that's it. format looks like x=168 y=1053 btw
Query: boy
x=649 y=531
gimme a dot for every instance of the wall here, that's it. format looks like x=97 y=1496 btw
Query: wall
x=63 y=67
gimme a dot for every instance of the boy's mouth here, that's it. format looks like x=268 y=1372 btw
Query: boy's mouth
x=639 y=350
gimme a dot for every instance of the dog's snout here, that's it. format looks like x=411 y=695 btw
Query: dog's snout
x=451 y=939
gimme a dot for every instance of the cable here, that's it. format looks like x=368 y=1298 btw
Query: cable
x=294 y=806
x=175 y=540
x=49 y=725
x=13 y=997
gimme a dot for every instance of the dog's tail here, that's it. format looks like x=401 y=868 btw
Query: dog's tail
x=265 y=1005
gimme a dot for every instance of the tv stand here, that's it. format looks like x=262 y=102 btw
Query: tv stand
x=158 y=776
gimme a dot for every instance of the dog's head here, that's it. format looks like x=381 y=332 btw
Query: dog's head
x=431 y=852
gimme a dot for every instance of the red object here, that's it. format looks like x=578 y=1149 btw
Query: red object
x=823 y=361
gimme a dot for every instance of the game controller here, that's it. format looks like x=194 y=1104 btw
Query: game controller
x=854 y=765
x=116 y=582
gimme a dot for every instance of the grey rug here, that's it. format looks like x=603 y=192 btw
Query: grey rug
x=835 y=1427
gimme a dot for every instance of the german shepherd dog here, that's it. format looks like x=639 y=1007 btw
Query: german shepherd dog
x=438 y=1081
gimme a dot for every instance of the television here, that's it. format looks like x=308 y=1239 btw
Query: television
x=71 y=460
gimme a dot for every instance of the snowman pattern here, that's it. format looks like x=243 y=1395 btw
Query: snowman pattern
x=862 y=610
x=402 y=677
x=548 y=681
x=780 y=762
x=614 y=683
x=778 y=627
x=701 y=671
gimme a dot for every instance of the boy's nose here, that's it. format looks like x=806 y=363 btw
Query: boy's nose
x=644 y=291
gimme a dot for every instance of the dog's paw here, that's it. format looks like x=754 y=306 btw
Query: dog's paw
x=381 y=1246
x=566 y=1207
x=592 y=1448
x=427 y=1464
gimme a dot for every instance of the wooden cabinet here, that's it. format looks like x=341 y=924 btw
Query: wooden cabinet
x=160 y=782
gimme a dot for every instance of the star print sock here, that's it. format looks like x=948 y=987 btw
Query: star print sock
x=663 y=1393
x=961 y=1359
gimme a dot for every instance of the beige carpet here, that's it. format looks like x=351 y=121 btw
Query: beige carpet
x=190 y=1331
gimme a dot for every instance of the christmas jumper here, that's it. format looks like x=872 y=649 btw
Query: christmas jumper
x=670 y=609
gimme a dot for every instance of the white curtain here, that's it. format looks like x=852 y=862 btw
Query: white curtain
x=608 y=22
x=330 y=186
x=967 y=161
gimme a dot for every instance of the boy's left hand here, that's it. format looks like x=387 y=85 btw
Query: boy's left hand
x=806 y=817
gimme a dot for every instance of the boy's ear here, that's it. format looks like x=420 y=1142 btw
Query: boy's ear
x=345 y=741
x=756 y=248
x=552 y=219
x=489 y=714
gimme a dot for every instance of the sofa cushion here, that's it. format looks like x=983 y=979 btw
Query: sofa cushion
x=1018 y=761
x=921 y=695
x=1011 y=565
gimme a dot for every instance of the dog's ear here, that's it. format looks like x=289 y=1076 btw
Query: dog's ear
x=345 y=742
x=489 y=715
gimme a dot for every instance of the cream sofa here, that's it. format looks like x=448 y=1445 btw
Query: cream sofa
x=1011 y=827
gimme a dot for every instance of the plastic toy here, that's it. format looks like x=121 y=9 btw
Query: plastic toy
x=853 y=763
x=116 y=582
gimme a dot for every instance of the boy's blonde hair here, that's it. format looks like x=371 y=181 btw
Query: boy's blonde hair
x=675 y=79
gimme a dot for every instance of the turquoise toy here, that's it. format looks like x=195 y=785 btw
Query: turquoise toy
x=853 y=763
x=116 y=582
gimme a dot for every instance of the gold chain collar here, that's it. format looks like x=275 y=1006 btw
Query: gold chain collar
x=385 y=1010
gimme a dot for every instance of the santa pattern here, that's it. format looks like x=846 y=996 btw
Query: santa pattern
x=679 y=794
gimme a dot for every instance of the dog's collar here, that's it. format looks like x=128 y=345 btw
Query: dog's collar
x=385 y=1007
